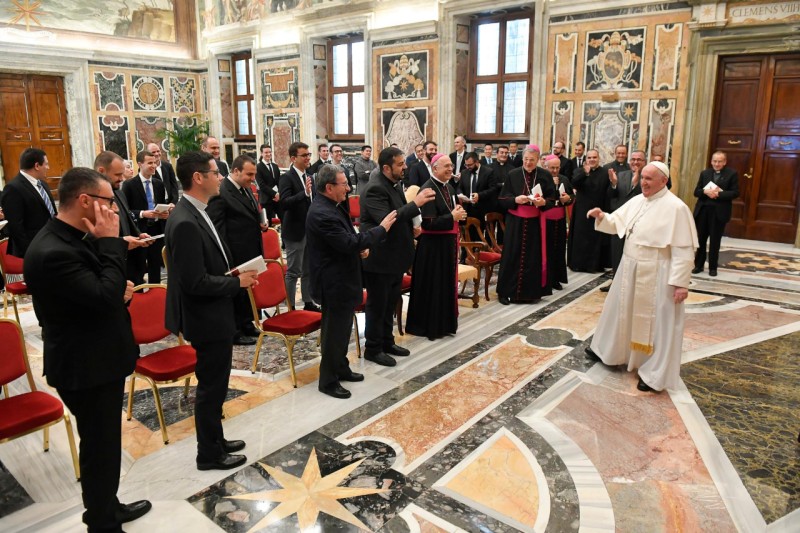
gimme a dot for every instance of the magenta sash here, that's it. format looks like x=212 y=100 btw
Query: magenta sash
x=531 y=211
x=555 y=213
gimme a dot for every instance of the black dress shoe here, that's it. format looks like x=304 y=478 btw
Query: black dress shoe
x=590 y=354
x=381 y=359
x=644 y=387
x=503 y=300
x=312 y=307
x=697 y=270
x=712 y=272
x=231 y=446
x=354 y=376
x=557 y=286
x=399 y=351
x=250 y=331
x=336 y=390
x=128 y=512
x=225 y=461
x=605 y=288
x=243 y=340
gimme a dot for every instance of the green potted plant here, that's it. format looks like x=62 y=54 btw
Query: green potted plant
x=187 y=134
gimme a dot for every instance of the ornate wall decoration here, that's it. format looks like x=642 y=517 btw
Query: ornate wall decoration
x=279 y=88
x=462 y=75
x=183 y=94
x=109 y=91
x=226 y=104
x=606 y=125
x=146 y=128
x=562 y=120
x=148 y=93
x=321 y=97
x=281 y=130
x=660 y=128
x=406 y=128
x=204 y=92
x=404 y=76
x=113 y=133
x=667 y=51
x=614 y=59
x=566 y=58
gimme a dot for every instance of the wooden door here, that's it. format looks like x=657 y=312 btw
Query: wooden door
x=757 y=124
x=33 y=114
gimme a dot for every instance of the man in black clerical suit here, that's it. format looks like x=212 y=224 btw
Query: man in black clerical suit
x=75 y=271
x=144 y=193
x=477 y=190
x=200 y=303
x=713 y=209
x=620 y=162
x=388 y=260
x=211 y=145
x=112 y=167
x=27 y=203
x=235 y=214
x=335 y=251
x=166 y=174
x=267 y=174
x=421 y=172
x=296 y=195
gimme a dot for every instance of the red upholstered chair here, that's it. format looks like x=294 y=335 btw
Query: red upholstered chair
x=169 y=365
x=359 y=309
x=485 y=259
x=272 y=245
x=288 y=326
x=30 y=411
x=355 y=209
x=11 y=266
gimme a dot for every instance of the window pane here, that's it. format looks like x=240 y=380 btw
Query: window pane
x=517 y=45
x=340 y=112
x=357 y=50
x=514 y=106
x=241 y=77
x=340 y=65
x=359 y=113
x=486 y=108
x=488 y=48
x=243 y=115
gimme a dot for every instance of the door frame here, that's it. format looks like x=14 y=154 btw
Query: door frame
x=706 y=47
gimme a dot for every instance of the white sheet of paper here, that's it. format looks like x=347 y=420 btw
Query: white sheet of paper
x=711 y=186
x=257 y=263
x=536 y=192
x=152 y=238
x=561 y=189
x=161 y=208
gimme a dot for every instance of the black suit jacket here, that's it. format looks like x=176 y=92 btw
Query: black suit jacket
x=314 y=168
x=575 y=165
x=515 y=160
x=566 y=166
x=76 y=283
x=334 y=253
x=223 y=167
x=237 y=222
x=484 y=161
x=395 y=254
x=723 y=206
x=418 y=174
x=127 y=222
x=25 y=212
x=486 y=189
x=133 y=189
x=167 y=175
x=454 y=158
x=267 y=179
x=199 y=294
x=295 y=204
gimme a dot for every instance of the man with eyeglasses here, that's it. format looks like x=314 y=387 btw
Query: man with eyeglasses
x=75 y=272
x=144 y=193
x=296 y=190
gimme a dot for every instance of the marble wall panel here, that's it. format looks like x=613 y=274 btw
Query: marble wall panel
x=565 y=61
x=204 y=92
x=660 y=128
x=113 y=134
x=606 y=125
x=226 y=104
x=321 y=99
x=148 y=93
x=281 y=130
x=461 y=102
x=667 y=50
x=406 y=127
x=182 y=92
x=404 y=76
x=562 y=120
x=146 y=129
x=109 y=91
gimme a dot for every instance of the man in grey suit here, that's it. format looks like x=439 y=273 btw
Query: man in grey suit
x=624 y=186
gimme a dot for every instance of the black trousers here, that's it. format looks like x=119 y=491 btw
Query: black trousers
x=99 y=421
x=242 y=310
x=145 y=260
x=709 y=228
x=383 y=291
x=213 y=373
x=337 y=322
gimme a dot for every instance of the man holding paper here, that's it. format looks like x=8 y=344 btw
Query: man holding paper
x=200 y=303
x=528 y=192
x=715 y=192
x=235 y=214
x=557 y=224
x=335 y=252
x=476 y=190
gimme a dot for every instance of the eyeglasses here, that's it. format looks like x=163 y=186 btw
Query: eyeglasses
x=214 y=172
x=337 y=151
x=106 y=198
x=304 y=155
x=343 y=183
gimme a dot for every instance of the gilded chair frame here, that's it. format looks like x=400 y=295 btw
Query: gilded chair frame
x=7 y=295
x=493 y=221
x=45 y=427
x=153 y=383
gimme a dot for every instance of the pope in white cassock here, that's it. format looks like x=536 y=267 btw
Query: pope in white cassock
x=642 y=320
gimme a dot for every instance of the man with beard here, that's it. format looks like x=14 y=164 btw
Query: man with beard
x=421 y=172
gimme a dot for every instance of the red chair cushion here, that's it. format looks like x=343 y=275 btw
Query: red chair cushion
x=489 y=257
x=360 y=307
x=293 y=323
x=275 y=221
x=18 y=287
x=169 y=364
x=406 y=285
x=28 y=411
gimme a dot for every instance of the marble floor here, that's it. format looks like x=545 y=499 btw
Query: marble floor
x=505 y=426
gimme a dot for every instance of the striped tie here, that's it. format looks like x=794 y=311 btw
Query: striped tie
x=45 y=198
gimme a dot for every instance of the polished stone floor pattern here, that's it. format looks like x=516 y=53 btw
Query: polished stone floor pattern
x=505 y=426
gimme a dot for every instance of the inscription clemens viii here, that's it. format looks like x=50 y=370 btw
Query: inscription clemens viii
x=783 y=11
